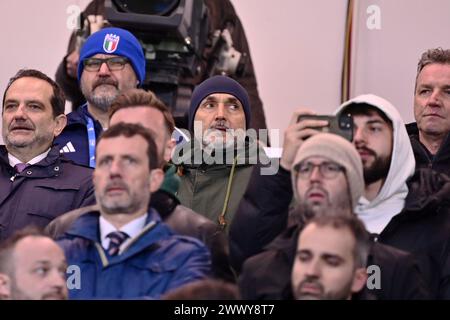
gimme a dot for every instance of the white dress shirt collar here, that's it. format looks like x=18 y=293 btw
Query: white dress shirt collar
x=13 y=160
x=132 y=229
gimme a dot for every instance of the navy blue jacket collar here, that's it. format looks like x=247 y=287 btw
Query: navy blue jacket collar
x=49 y=166
x=79 y=115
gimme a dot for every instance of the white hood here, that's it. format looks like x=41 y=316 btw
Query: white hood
x=376 y=214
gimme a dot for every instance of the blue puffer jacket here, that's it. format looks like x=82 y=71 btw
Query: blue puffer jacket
x=73 y=141
x=155 y=262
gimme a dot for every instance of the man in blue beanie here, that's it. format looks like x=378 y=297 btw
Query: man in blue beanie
x=111 y=61
x=219 y=114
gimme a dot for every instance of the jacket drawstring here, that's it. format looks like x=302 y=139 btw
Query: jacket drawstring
x=222 y=221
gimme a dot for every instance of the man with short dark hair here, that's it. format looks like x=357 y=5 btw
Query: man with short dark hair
x=111 y=60
x=32 y=267
x=36 y=183
x=330 y=260
x=402 y=208
x=429 y=134
x=222 y=17
x=144 y=107
x=123 y=249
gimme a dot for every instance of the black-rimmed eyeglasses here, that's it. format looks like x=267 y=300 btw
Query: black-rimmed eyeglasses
x=328 y=170
x=114 y=63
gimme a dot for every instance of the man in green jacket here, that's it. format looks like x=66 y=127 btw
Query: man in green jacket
x=215 y=166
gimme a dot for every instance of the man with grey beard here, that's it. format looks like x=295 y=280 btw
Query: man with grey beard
x=111 y=61
x=216 y=165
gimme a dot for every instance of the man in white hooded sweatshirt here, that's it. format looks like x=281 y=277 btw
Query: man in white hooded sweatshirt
x=382 y=142
x=405 y=209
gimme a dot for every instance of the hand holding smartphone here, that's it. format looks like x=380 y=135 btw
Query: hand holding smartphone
x=341 y=125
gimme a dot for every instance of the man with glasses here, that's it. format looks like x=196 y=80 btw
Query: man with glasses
x=329 y=176
x=111 y=61
x=327 y=181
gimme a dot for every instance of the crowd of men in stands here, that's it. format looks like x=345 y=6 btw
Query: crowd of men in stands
x=108 y=189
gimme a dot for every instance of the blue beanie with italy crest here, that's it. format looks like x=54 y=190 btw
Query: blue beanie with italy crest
x=114 y=41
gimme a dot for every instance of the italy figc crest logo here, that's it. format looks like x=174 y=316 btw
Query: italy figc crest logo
x=111 y=42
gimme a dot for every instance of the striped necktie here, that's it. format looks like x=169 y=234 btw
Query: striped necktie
x=116 y=239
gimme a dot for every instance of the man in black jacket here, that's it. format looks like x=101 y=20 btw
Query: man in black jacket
x=37 y=184
x=327 y=180
x=429 y=134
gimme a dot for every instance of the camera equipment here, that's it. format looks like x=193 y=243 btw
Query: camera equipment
x=173 y=34
x=224 y=58
x=341 y=125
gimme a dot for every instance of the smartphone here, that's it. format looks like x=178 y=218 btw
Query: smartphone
x=341 y=125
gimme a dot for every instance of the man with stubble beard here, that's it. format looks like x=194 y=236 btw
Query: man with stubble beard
x=330 y=259
x=402 y=207
x=123 y=249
